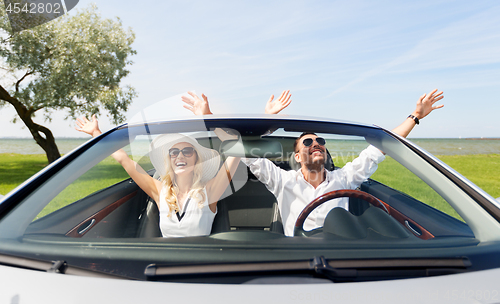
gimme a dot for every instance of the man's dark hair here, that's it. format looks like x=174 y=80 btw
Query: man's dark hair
x=298 y=139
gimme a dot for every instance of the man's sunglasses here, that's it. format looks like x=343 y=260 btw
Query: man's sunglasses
x=309 y=141
x=187 y=152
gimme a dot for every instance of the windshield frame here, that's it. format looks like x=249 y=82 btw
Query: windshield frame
x=147 y=250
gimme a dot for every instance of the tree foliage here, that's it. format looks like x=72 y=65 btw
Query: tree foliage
x=73 y=63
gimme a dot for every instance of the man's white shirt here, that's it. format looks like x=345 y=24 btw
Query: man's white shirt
x=293 y=192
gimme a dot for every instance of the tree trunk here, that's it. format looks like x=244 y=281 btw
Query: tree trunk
x=47 y=142
x=42 y=135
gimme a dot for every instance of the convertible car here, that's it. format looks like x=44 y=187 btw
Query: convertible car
x=416 y=231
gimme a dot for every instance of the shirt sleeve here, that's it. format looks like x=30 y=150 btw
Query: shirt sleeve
x=266 y=172
x=361 y=168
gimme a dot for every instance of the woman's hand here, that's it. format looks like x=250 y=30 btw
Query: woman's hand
x=196 y=105
x=274 y=107
x=90 y=127
x=426 y=102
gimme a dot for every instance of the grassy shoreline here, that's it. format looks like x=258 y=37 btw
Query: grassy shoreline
x=481 y=169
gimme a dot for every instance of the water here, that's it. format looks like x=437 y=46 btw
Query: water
x=436 y=146
x=451 y=146
x=29 y=146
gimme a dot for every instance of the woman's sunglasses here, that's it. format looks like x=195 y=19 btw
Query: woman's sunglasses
x=187 y=152
x=309 y=141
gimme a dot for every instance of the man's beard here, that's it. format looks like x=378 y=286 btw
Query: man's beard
x=315 y=166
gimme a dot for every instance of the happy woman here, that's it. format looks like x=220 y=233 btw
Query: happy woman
x=190 y=182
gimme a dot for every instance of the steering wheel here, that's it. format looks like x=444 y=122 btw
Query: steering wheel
x=299 y=224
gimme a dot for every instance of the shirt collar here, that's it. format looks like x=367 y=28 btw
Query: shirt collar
x=301 y=175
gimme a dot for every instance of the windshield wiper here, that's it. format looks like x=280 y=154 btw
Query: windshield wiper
x=321 y=267
x=334 y=270
x=58 y=266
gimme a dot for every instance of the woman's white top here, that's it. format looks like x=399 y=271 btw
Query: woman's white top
x=194 y=221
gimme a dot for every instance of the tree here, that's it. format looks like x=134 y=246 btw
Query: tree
x=73 y=63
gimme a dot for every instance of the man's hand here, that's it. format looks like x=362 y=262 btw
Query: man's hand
x=274 y=107
x=90 y=127
x=196 y=105
x=224 y=135
x=425 y=104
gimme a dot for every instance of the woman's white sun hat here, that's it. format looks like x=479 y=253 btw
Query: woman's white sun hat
x=158 y=153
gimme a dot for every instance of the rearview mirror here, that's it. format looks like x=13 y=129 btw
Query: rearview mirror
x=256 y=148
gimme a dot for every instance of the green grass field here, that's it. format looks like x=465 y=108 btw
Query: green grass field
x=483 y=170
x=16 y=168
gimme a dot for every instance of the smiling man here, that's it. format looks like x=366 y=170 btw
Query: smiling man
x=294 y=190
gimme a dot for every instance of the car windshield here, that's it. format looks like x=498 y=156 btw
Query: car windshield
x=87 y=211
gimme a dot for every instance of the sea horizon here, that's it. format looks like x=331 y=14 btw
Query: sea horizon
x=87 y=137
x=436 y=146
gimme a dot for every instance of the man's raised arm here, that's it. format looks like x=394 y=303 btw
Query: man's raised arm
x=425 y=105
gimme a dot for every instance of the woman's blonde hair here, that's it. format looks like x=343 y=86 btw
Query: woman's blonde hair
x=196 y=192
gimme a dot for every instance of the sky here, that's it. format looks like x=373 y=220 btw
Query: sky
x=361 y=60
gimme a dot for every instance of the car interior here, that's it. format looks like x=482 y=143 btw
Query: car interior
x=125 y=211
x=117 y=226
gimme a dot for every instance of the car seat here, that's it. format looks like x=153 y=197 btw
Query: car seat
x=150 y=224
x=252 y=207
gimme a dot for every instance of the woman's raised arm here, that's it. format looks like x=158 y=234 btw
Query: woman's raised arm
x=148 y=184
x=217 y=185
